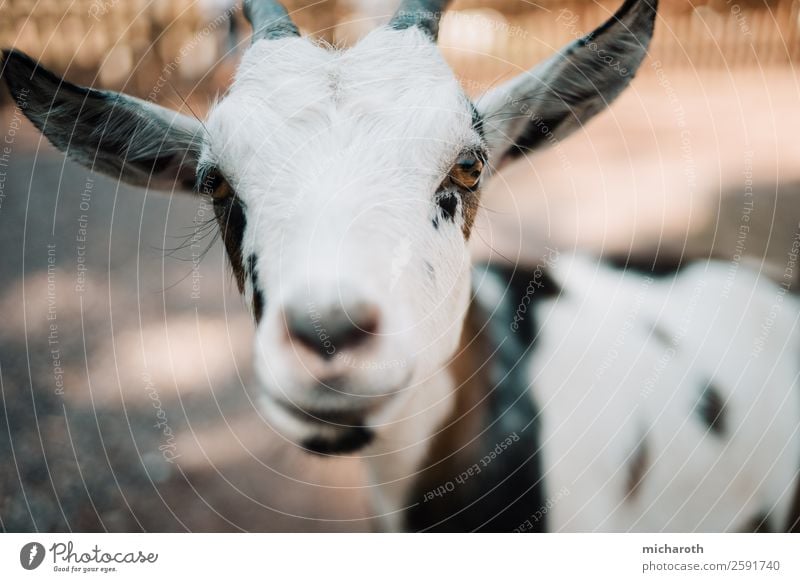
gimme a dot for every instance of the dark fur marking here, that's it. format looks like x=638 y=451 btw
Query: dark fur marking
x=349 y=440
x=477 y=121
x=793 y=520
x=526 y=287
x=637 y=468
x=760 y=523
x=232 y=222
x=448 y=202
x=430 y=270
x=660 y=334
x=793 y=525
x=711 y=408
x=654 y=265
x=258 y=296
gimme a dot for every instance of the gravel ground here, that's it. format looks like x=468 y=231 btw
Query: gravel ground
x=126 y=387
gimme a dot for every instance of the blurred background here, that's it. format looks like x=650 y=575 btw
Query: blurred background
x=127 y=396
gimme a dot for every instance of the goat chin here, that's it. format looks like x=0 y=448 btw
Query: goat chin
x=334 y=426
x=316 y=435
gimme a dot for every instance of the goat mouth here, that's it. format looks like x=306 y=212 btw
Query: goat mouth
x=340 y=431
x=337 y=418
x=340 y=412
x=347 y=440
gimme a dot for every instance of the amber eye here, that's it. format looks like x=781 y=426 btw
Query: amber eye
x=467 y=171
x=213 y=183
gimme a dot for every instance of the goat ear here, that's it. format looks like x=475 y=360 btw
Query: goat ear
x=557 y=97
x=127 y=138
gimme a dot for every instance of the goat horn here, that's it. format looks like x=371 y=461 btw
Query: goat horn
x=269 y=19
x=422 y=13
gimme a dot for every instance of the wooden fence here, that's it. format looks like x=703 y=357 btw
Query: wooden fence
x=131 y=43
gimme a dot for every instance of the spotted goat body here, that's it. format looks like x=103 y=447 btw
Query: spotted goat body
x=577 y=396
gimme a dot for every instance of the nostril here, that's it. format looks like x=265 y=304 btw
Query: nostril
x=331 y=330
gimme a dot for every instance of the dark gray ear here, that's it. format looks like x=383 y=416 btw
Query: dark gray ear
x=127 y=138
x=560 y=95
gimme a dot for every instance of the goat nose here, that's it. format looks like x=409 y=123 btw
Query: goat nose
x=328 y=330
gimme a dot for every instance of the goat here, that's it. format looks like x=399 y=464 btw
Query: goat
x=580 y=396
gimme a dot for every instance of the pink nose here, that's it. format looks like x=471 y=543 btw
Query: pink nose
x=328 y=330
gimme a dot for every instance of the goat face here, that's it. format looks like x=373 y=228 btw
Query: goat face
x=357 y=174
x=345 y=184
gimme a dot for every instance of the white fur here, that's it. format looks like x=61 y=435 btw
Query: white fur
x=604 y=381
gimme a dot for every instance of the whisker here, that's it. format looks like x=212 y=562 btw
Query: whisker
x=189 y=107
x=494 y=250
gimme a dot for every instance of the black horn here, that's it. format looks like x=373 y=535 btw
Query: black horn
x=422 y=13
x=269 y=19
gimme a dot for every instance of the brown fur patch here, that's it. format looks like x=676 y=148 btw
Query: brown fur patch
x=456 y=446
x=466 y=419
x=470 y=202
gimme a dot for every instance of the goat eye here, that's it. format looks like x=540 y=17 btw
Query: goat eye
x=214 y=184
x=467 y=171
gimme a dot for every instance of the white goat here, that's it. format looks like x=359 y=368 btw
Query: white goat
x=578 y=396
